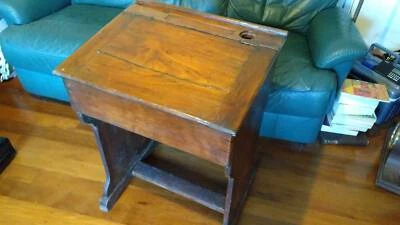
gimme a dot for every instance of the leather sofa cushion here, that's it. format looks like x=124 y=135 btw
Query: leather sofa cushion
x=42 y=45
x=26 y=11
x=109 y=3
x=333 y=39
x=211 y=6
x=297 y=87
x=293 y=15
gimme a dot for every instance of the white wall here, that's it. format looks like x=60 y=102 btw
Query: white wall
x=379 y=21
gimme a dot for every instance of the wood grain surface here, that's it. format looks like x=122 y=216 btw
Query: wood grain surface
x=57 y=176
x=191 y=65
x=158 y=72
x=158 y=125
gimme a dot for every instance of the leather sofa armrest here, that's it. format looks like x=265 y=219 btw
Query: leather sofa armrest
x=17 y=12
x=334 y=39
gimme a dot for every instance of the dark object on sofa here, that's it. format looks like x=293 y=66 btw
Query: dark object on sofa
x=7 y=153
x=389 y=168
x=322 y=45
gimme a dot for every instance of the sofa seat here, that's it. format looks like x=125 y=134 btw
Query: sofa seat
x=51 y=40
x=55 y=37
x=299 y=91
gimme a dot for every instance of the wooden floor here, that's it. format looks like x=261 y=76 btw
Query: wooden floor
x=57 y=178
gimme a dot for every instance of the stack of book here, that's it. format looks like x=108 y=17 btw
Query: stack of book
x=354 y=110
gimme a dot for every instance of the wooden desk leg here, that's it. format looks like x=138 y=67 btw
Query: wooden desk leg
x=120 y=151
x=237 y=190
x=242 y=167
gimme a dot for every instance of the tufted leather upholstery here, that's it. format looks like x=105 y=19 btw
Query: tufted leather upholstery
x=108 y=3
x=211 y=6
x=333 y=39
x=26 y=11
x=293 y=15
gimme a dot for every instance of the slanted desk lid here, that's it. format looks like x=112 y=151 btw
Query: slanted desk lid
x=196 y=66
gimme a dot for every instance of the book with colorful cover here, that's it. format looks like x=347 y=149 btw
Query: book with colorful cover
x=354 y=110
x=356 y=92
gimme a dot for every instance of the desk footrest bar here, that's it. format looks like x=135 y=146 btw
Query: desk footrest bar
x=177 y=185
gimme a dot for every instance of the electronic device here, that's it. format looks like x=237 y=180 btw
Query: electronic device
x=381 y=66
x=388 y=70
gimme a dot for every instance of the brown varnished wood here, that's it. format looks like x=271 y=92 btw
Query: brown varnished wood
x=164 y=48
x=188 y=80
x=57 y=176
x=216 y=25
x=33 y=213
x=120 y=152
x=178 y=185
x=161 y=64
x=154 y=124
x=242 y=165
x=254 y=65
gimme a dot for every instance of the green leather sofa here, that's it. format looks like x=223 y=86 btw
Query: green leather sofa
x=321 y=48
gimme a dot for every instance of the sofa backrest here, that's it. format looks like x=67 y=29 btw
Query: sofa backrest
x=110 y=3
x=211 y=6
x=293 y=15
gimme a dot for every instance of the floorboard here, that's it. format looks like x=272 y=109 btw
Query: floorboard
x=57 y=178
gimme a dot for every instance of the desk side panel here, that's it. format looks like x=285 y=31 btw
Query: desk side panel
x=186 y=135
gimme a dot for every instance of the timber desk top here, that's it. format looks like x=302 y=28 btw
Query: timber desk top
x=198 y=67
